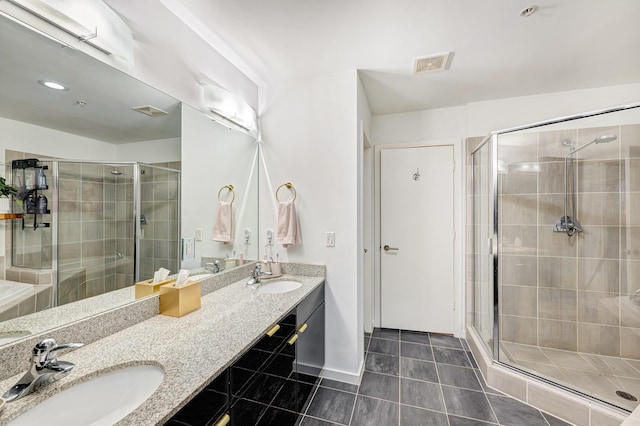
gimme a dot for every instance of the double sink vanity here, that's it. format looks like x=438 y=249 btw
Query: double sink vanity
x=250 y=355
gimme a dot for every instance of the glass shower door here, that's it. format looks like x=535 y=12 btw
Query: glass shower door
x=483 y=276
x=95 y=229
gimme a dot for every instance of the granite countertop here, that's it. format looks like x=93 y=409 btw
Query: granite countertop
x=192 y=350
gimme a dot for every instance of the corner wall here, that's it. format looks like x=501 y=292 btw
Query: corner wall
x=309 y=138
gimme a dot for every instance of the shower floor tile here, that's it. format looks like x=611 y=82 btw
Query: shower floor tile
x=595 y=375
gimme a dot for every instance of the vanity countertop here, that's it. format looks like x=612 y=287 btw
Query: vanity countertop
x=192 y=350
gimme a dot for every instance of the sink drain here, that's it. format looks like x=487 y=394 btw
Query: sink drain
x=627 y=396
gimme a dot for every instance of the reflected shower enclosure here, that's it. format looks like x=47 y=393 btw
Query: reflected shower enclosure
x=554 y=251
x=111 y=225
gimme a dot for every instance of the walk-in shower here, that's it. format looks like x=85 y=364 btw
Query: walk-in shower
x=557 y=308
x=96 y=240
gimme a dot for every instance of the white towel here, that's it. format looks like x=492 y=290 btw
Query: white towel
x=223 y=227
x=288 y=232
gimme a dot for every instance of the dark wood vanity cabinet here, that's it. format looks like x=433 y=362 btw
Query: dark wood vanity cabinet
x=273 y=381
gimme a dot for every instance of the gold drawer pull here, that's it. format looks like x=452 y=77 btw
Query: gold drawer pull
x=224 y=420
x=293 y=339
x=273 y=330
x=303 y=327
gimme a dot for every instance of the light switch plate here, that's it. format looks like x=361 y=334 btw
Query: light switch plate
x=198 y=234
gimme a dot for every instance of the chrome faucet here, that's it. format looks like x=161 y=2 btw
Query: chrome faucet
x=45 y=369
x=256 y=274
x=214 y=267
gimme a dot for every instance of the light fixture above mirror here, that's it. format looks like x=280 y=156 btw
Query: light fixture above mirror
x=230 y=110
x=90 y=21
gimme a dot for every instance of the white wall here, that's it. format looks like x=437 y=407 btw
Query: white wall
x=214 y=156
x=25 y=137
x=310 y=134
x=153 y=151
x=428 y=125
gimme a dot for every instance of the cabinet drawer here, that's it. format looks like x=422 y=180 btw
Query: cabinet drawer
x=309 y=304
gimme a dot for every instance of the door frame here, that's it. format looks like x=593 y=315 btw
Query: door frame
x=458 y=224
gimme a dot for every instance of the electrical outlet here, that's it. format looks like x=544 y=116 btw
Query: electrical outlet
x=331 y=239
x=198 y=234
x=188 y=249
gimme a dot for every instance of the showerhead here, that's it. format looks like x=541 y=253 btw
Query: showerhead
x=605 y=138
x=599 y=139
x=116 y=172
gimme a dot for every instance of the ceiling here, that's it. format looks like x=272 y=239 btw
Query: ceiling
x=109 y=95
x=566 y=45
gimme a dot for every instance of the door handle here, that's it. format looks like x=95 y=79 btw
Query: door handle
x=387 y=248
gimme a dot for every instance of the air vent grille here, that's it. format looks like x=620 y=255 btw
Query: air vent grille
x=150 y=111
x=431 y=63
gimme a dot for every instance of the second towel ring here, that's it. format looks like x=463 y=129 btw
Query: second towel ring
x=288 y=185
x=230 y=188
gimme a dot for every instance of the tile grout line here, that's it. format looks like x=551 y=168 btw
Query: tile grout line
x=355 y=401
x=399 y=379
x=483 y=390
x=444 y=403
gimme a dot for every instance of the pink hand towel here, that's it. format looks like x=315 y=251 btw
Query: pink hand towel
x=223 y=227
x=287 y=232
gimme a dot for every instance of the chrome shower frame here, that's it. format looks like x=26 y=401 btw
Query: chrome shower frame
x=492 y=138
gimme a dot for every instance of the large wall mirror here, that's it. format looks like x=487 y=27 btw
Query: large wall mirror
x=124 y=188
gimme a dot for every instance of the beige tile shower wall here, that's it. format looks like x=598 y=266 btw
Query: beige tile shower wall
x=561 y=292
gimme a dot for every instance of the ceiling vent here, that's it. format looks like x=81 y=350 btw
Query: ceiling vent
x=150 y=111
x=431 y=63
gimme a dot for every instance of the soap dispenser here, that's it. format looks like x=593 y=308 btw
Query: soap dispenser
x=31 y=203
x=42 y=204
x=41 y=179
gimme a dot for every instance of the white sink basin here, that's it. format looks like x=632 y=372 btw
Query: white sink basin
x=277 y=287
x=103 y=400
x=199 y=277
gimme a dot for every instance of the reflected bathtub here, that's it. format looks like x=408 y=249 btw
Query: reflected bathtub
x=11 y=290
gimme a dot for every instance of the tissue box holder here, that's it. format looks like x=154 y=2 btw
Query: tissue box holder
x=179 y=301
x=147 y=287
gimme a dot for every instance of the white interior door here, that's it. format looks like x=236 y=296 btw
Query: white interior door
x=416 y=235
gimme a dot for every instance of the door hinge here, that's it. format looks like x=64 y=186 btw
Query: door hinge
x=454 y=305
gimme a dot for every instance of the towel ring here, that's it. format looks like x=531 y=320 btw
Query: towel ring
x=288 y=185
x=230 y=188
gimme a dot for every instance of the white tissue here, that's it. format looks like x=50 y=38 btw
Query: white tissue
x=183 y=277
x=160 y=275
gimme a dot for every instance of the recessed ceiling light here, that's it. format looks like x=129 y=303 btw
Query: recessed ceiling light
x=528 y=11
x=53 y=85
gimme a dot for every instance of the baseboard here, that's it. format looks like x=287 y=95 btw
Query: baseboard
x=344 y=376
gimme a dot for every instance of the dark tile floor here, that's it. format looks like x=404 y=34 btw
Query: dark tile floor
x=418 y=379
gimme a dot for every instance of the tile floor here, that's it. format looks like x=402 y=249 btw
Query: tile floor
x=596 y=375
x=413 y=379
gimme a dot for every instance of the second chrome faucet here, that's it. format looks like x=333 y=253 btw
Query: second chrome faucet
x=257 y=274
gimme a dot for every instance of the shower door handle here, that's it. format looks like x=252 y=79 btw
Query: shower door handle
x=387 y=248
